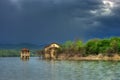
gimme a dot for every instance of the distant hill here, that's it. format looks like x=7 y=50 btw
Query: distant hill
x=22 y=45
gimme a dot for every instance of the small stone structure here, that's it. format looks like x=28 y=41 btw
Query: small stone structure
x=50 y=51
x=25 y=53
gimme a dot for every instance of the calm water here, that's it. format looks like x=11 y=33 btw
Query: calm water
x=35 y=69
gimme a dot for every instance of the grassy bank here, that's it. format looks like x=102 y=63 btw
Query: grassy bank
x=88 y=58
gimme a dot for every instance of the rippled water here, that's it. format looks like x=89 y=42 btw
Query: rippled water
x=35 y=69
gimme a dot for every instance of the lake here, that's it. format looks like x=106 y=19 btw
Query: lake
x=12 y=68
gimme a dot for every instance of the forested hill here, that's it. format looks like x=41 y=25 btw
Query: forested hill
x=13 y=50
x=22 y=45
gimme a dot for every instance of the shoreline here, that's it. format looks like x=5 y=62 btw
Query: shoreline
x=116 y=57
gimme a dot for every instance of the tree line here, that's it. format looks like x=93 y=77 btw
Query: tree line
x=14 y=53
x=9 y=53
x=106 y=46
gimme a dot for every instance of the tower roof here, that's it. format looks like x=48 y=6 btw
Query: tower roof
x=25 y=49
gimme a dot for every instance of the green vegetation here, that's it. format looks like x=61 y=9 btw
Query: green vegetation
x=70 y=47
x=13 y=53
x=107 y=46
x=9 y=53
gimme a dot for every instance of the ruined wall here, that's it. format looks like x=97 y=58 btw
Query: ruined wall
x=50 y=51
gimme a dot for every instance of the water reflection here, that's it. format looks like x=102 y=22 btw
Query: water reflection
x=25 y=59
x=35 y=69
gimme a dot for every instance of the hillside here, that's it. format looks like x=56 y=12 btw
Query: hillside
x=22 y=45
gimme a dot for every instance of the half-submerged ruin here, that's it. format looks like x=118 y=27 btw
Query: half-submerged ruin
x=25 y=53
x=50 y=51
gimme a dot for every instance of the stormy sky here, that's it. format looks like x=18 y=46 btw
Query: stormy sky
x=46 y=21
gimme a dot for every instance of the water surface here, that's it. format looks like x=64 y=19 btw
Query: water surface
x=35 y=69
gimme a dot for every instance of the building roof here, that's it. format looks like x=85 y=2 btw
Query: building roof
x=25 y=49
x=51 y=44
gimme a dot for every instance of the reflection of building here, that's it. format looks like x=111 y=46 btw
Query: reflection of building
x=25 y=53
x=50 y=51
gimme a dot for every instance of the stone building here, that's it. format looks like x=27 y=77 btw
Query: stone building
x=50 y=51
x=25 y=53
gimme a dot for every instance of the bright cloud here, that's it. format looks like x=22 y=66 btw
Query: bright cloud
x=108 y=3
x=106 y=8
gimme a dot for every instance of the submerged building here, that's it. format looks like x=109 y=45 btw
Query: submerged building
x=25 y=53
x=50 y=51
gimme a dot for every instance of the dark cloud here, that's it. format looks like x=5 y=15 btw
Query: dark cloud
x=43 y=21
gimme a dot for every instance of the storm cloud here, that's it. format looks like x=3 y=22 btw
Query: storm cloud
x=44 y=21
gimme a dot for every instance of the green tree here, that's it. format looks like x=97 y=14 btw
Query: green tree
x=78 y=45
x=115 y=44
x=92 y=47
x=103 y=45
x=67 y=44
